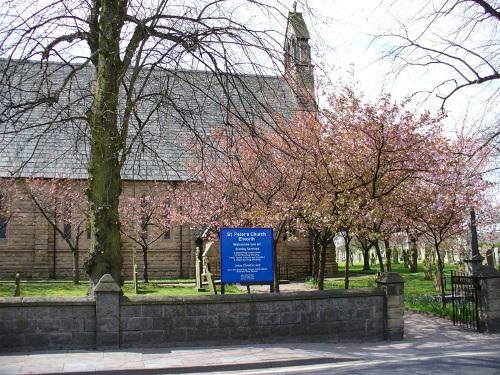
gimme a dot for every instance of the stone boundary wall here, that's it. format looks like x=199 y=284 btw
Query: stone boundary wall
x=489 y=299
x=110 y=321
x=354 y=315
x=28 y=324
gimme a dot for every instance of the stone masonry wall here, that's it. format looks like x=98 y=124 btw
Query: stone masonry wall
x=489 y=300
x=339 y=315
x=110 y=321
x=46 y=323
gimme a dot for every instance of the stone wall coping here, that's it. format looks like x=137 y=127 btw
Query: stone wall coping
x=107 y=284
x=46 y=301
x=239 y=298
x=488 y=272
x=390 y=278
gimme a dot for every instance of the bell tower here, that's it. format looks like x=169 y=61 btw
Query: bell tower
x=298 y=66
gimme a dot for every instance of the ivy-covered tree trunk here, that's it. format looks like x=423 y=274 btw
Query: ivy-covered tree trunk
x=104 y=181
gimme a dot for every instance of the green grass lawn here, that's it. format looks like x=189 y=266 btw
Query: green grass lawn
x=44 y=289
x=68 y=289
x=419 y=293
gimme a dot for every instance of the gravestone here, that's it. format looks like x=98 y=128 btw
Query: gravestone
x=490 y=258
x=475 y=260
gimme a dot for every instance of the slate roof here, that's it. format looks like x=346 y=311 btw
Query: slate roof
x=51 y=139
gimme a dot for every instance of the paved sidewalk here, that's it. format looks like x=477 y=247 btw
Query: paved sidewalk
x=430 y=340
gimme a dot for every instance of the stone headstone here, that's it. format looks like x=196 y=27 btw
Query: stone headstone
x=490 y=258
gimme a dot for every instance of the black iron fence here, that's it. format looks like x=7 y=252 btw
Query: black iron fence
x=465 y=299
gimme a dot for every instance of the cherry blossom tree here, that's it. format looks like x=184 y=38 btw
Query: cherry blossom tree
x=365 y=249
x=379 y=146
x=147 y=218
x=318 y=207
x=436 y=204
x=65 y=207
x=351 y=169
x=251 y=179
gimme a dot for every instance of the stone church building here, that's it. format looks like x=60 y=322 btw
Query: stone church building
x=197 y=101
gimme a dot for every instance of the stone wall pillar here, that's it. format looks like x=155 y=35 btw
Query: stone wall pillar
x=489 y=299
x=393 y=285
x=107 y=310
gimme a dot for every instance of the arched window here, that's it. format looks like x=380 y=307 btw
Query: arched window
x=304 y=53
x=294 y=51
x=67 y=231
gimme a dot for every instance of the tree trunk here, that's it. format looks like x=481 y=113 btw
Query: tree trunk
x=365 y=248
x=452 y=255
x=76 y=266
x=334 y=257
x=366 y=260
x=395 y=256
x=414 y=255
x=322 y=263
x=348 y=253
x=104 y=182
x=145 y=264
x=379 y=255
x=406 y=259
x=440 y=273
x=310 y=239
x=275 y=287
x=316 y=252
x=388 y=251
x=427 y=263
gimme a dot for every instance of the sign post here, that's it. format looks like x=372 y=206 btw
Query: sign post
x=246 y=256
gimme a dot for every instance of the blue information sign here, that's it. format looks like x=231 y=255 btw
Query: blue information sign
x=246 y=255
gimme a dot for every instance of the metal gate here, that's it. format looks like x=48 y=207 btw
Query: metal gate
x=465 y=297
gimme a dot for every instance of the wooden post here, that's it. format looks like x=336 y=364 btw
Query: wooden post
x=136 y=284
x=206 y=268
x=134 y=271
x=17 y=292
x=199 y=264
